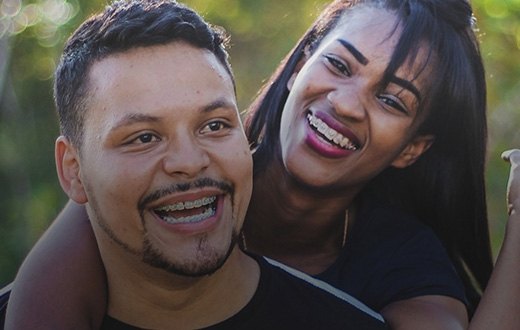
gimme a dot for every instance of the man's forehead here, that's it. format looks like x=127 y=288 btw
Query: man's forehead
x=177 y=69
x=158 y=83
x=182 y=57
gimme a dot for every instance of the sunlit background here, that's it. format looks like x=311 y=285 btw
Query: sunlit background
x=263 y=31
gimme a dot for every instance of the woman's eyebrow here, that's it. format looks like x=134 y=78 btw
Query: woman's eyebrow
x=408 y=85
x=364 y=61
x=354 y=51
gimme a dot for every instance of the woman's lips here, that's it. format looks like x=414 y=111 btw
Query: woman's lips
x=331 y=134
x=328 y=138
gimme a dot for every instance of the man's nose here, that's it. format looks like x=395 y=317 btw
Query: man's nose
x=185 y=157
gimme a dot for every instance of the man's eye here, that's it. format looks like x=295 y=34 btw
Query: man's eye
x=145 y=138
x=338 y=65
x=214 y=126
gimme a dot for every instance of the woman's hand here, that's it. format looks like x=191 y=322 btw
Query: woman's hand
x=499 y=306
x=513 y=186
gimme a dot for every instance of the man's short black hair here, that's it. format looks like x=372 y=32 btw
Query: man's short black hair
x=124 y=25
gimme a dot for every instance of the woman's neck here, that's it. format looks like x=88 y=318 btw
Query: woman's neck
x=293 y=223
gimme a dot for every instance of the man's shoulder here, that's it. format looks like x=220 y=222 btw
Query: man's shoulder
x=296 y=294
x=5 y=292
x=288 y=299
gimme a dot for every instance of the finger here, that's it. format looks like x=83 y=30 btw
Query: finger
x=513 y=185
x=512 y=156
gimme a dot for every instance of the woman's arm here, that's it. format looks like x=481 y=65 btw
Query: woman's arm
x=500 y=303
x=426 y=313
x=61 y=284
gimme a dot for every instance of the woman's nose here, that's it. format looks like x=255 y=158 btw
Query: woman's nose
x=347 y=103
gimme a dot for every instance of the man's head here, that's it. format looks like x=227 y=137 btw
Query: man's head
x=154 y=145
x=122 y=26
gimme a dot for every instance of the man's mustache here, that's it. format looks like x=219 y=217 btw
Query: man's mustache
x=226 y=187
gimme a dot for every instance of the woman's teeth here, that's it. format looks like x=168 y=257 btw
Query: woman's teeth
x=330 y=134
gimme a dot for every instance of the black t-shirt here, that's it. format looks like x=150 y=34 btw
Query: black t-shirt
x=5 y=292
x=390 y=256
x=291 y=301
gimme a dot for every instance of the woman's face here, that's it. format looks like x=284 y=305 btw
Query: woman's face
x=339 y=127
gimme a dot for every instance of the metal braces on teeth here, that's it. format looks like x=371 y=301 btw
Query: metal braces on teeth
x=191 y=218
x=330 y=133
x=187 y=205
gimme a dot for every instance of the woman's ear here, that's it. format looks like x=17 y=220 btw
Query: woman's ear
x=413 y=151
x=69 y=170
x=299 y=66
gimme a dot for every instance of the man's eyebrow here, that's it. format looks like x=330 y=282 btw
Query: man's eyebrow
x=354 y=51
x=220 y=103
x=406 y=85
x=133 y=118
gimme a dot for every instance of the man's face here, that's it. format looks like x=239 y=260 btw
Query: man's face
x=165 y=165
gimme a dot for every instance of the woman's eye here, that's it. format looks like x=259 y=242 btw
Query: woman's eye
x=392 y=102
x=338 y=65
x=145 y=138
x=214 y=126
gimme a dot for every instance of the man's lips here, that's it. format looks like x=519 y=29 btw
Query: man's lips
x=189 y=211
x=186 y=204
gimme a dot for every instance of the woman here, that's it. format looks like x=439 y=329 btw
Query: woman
x=374 y=120
x=433 y=105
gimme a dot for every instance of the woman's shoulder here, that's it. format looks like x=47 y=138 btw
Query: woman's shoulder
x=386 y=224
x=390 y=255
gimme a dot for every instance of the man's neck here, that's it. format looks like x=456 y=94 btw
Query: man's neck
x=156 y=299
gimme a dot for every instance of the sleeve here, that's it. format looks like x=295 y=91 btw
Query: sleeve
x=408 y=261
x=4 y=299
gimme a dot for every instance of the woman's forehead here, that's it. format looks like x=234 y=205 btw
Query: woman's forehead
x=367 y=27
x=375 y=31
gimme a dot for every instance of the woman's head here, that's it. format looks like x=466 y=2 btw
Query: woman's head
x=433 y=47
x=344 y=115
x=441 y=30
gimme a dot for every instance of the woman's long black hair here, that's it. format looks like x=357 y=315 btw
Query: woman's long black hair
x=445 y=188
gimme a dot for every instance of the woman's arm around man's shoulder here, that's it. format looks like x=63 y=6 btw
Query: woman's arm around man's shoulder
x=61 y=284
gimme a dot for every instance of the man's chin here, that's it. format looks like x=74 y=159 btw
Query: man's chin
x=204 y=263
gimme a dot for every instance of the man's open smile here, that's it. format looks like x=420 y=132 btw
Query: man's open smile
x=188 y=211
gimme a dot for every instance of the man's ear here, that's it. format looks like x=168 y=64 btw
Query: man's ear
x=413 y=151
x=299 y=66
x=69 y=170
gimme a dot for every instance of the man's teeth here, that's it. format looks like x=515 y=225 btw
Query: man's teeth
x=165 y=212
x=191 y=218
x=330 y=134
x=187 y=205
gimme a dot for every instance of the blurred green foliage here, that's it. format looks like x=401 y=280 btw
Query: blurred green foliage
x=263 y=31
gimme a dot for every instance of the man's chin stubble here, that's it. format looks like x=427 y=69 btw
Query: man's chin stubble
x=206 y=262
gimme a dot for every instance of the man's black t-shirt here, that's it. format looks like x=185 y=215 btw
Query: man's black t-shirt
x=5 y=292
x=291 y=301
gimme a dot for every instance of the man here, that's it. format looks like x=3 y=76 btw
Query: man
x=153 y=145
